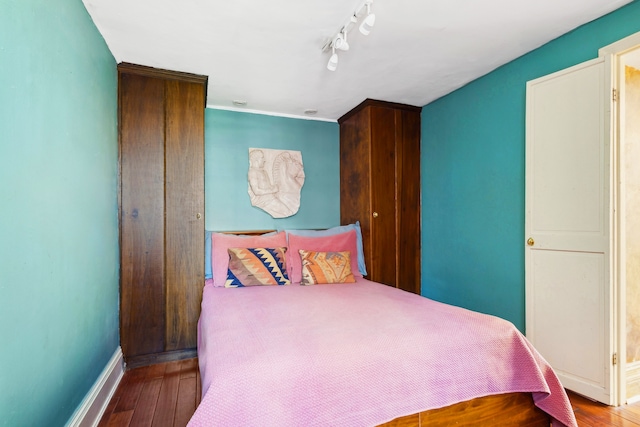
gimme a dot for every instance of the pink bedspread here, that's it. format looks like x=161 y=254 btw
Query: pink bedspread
x=355 y=355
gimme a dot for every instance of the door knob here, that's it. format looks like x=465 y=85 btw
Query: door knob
x=198 y=215
x=375 y=214
x=530 y=241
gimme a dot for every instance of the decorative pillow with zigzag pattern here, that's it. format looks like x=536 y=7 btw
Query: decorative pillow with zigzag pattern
x=256 y=267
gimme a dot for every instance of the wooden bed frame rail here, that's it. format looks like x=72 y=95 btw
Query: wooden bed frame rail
x=512 y=409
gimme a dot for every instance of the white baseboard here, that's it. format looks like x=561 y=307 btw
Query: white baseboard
x=95 y=402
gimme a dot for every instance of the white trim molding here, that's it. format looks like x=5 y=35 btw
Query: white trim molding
x=621 y=46
x=95 y=402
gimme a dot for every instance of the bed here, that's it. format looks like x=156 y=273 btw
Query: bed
x=360 y=353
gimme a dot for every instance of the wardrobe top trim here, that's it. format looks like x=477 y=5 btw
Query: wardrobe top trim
x=125 y=67
x=380 y=104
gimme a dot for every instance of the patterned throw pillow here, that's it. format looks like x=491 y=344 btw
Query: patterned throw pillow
x=256 y=267
x=221 y=242
x=326 y=267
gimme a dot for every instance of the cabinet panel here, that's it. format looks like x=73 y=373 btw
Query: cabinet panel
x=355 y=178
x=142 y=219
x=383 y=196
x=409 y=216
x=184 y=213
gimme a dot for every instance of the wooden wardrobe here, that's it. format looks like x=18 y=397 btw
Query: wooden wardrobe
x=161 y=141
x=380 y=187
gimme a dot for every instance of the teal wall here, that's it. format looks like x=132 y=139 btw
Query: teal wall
x=473 y=145
x=228 y=136
x=58 y=209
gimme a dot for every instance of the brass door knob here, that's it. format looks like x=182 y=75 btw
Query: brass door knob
x=530 y=241
x=375 y=215
x=198 y=215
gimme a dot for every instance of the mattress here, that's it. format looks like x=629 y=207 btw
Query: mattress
x=356 y=354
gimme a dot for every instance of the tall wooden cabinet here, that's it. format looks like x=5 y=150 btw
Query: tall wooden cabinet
x=380 y=187
x=161 y=134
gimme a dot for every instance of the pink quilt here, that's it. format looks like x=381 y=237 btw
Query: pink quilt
x=357 y=354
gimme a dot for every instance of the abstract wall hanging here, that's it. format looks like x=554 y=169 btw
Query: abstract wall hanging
x=275 y=180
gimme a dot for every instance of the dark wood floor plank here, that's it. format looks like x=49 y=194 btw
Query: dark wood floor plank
x=166 y=406
x=131 y=388
x=146 y=407
x=589 y=413
x=155 y=371
x=104 y=421
x=186 y=404
x=120 y=419
x=188 y=368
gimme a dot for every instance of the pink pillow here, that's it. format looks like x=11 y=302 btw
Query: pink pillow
x=221 y=242
x=336 y=243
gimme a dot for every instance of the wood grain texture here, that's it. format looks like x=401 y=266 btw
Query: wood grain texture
x=168 y=396
x=591 y=414
x=380 y=187
x=163 y=395
x=514 y=409
x=159 y=73
x=164 y=357
x=184 y=177
x=355 y=178
x=383 y=195
x=408 y=201
x=131 y=386
x=146 y=405
x=141 y=110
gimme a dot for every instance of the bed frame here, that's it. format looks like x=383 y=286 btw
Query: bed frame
x=516 y=409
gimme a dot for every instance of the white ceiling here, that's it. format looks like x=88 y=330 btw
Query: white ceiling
x=269 y=53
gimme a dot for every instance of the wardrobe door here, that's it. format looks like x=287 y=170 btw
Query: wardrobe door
x=355 y=178
x=142 y=298
x=383 y=189
x=184 y=163
x=408 y=200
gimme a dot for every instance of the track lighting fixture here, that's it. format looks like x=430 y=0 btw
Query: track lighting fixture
x=333 y=61
x=339 y=40
x=367 y=24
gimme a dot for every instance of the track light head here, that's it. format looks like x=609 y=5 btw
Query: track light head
x=367 y=24
x=340 y=42
x=333 y=61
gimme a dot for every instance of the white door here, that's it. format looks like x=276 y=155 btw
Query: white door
x=569 y=299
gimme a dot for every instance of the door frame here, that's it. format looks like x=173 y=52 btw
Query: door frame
x=612 y=56
x=615 y=51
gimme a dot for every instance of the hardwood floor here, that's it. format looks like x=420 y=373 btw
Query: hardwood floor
x=167 y=394
x=162 y=395
x=593 y=414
